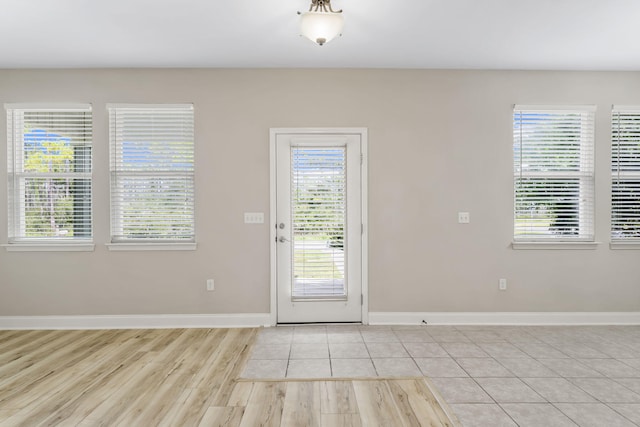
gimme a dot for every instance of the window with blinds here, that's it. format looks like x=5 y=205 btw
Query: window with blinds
x=318 y=203
x=49 y=173
x=152 y=173
x=625 y=169
x=553 y=152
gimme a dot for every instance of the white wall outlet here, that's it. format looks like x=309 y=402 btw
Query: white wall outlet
x=502 y=284
x=464 y=217
x=254 y=217
x=210 y=285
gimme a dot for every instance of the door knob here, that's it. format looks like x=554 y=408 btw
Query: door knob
x=283 y=239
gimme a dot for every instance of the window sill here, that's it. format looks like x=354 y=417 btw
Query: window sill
x=151 y=246
x=624 y=245
x=49 y=247
x=555 y=245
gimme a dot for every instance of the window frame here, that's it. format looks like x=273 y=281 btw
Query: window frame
x=583 y=177
x=17 y=239
x=118 y=240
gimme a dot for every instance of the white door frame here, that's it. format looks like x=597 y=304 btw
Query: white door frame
x=362 y=132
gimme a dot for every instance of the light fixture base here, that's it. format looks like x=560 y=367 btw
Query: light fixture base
x=322 y=5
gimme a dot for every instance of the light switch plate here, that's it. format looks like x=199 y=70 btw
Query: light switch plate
x=464 y=218
x=254 y=218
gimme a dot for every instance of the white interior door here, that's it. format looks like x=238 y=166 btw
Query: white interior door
x=318 y=227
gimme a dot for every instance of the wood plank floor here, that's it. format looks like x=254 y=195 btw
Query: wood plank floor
x=183 y=377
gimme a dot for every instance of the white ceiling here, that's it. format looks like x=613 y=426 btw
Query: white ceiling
x=460 y=34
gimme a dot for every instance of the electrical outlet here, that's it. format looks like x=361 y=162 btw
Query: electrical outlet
x=464 y=218
x=502 y=284
x=210 y=285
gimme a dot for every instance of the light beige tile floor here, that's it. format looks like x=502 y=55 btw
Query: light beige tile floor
x=490 y=375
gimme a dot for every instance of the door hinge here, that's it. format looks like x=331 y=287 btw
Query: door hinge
x=361 y=158
x=361 y=228
x=361 y=299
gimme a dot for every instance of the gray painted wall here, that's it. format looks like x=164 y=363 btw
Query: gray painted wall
x=439 y=142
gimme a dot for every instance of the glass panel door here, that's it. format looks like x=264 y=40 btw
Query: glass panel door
x=318 y=239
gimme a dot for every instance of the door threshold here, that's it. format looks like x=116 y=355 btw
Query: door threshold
x=318 y=323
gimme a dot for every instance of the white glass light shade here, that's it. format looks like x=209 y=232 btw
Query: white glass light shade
x=321 y=27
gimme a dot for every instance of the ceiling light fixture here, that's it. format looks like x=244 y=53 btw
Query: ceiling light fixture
x=321 y=23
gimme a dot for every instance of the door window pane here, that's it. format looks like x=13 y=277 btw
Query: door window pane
x=318 y=206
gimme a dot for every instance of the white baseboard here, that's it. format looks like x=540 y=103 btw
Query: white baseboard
x=151 y=321
x=505 y=318
x=249 y=320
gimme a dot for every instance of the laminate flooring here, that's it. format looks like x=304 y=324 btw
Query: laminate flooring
x=185 y=377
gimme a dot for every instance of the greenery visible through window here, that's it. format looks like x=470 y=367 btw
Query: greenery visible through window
x=553 y=173
x=152 y=173
x=49 y=167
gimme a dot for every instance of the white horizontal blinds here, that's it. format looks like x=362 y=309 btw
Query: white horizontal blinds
x=318 y=203
x=49 y=172
x=625 y=169
x=553 y=173
x=152 y=173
